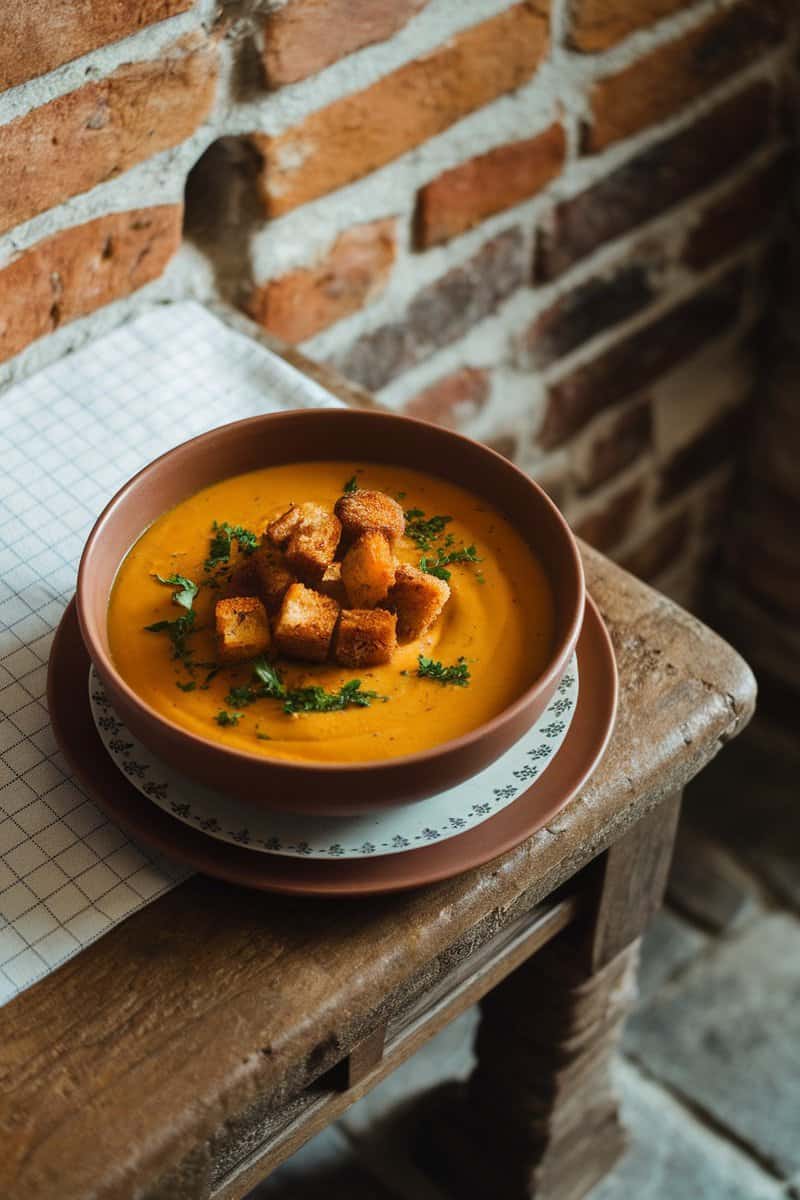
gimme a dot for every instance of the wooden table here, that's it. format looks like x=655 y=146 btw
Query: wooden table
x=195 y=1046
x=198 y=1044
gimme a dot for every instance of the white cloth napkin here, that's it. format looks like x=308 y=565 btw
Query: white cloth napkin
x=70 y=436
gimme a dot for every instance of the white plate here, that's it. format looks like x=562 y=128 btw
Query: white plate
x=389 y=831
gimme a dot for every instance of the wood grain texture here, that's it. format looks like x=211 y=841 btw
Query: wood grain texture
x=276 y=1136
x=541 y=1094
x=119 y=1071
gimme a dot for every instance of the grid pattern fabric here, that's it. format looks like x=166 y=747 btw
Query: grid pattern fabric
x=69 y=438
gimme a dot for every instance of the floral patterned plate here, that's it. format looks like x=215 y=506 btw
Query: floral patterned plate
x=386 y=831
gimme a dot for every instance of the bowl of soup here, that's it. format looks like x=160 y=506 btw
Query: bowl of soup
x=293 y=725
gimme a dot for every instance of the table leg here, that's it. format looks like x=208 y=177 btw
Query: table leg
x=539 y=1117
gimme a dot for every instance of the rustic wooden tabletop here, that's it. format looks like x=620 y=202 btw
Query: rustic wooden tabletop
x=122 y=1070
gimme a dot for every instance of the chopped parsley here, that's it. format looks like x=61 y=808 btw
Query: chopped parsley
x=458 y=674
x=228 y=718
x=187 y=590
x=436 y=559
x=270 y=680
x=351 y=486
x=316 y=699
x=268 y=685
x=424 y=530
x=187 y=687
x=177 y=631
x=224 y=535
x=437 y=564
x=240 y=697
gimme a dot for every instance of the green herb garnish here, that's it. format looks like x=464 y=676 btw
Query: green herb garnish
x=263 y=737
x=270 y=680
x=240 y=697
x=437 y=564
x=224 y=535
x=424 y=530
x=187 y=590
x=177 y=631
x=228 y=718
x=268 y=685
x=351 y=486
x=458 y=674
x=187 y=687
x=316 y=699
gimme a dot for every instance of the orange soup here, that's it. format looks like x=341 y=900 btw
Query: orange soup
x=497 y=626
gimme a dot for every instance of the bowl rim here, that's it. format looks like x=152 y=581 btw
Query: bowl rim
x=302 y=768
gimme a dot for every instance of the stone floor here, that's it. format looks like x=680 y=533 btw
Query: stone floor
x=710 y=1069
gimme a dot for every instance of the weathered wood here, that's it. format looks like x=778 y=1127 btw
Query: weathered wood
x=364 y=1057
x=634 y=877
x=541 y=1093
x=118 y=1066
x=275 y=1136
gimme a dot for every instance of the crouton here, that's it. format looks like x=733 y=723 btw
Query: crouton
x=305 y=624
x=273 y=577
x=309 y=535
x=368 y=570
x=362 y=512
x=418 y=599
x=280 y=530
x=331 y=584
x=243 y=581
x=365 y=637
x=242 y=629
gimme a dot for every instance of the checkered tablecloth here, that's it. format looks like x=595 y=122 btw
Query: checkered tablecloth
x=70 y=436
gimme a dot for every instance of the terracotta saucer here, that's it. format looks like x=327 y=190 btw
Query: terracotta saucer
x=76 y=733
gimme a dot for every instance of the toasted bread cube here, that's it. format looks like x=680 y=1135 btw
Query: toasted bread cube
x=310 y=534
x=272 y=576
x=280 y=530
x=305 y=624
x=418 y=599
x=368 y=570
x=243 y=581
x=242 y=629
x=365 y=637
x=362 y=512
x=331 y=584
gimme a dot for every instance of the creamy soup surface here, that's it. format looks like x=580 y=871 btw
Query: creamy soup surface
x=499 y=618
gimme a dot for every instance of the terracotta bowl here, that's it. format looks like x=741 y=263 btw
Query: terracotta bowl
x=282 y=438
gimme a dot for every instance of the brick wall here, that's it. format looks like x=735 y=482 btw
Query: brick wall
x=542 y=223
x=755 y=597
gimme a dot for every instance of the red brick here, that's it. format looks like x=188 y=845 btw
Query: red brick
x=598 y=24
x=354 y=271
x=458 y=199
x=454 y=400
x=440 y=313
x=721 y=442
x=660 y=83
x=650 y=183
x=743 y=213
x=606 y=526
x=662 y=548
x=764 y=554
x=365 y=130
x=304 y=36
x=586 y=311
x=42 y=34
x=90 y=135
x=634 y=363
x=626 y=439
x=79 y=270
